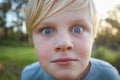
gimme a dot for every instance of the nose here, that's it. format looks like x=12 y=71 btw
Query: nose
x=63 y=44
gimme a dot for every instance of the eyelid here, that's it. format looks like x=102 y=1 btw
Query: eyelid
x=42 y=27
x=82 y=26
x=45 y=24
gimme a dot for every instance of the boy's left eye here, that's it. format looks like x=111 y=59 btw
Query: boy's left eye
x=77 y=29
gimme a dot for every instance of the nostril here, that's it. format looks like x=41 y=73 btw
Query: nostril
x=63 y=48
x=57 y=49
x=69 y=48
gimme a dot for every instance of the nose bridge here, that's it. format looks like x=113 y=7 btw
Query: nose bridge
x=63 y=37
x=63 y=41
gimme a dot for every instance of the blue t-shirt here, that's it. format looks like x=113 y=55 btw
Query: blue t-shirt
x=100 y=70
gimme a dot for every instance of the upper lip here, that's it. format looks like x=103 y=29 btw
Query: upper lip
x=64 y=60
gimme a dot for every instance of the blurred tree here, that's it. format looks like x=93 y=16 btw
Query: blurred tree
x=13 y=8
x=4 y=7
x=109 y=36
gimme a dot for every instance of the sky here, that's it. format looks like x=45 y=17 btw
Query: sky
x=102 y=6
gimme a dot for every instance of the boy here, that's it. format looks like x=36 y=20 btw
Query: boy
x=63 y=32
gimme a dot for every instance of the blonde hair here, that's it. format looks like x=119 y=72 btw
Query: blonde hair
x=38 y=10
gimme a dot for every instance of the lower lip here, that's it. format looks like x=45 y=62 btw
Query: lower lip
x=64 y=63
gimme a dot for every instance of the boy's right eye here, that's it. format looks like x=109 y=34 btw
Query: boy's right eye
x=47 y=31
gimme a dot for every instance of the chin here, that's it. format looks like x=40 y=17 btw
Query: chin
x=65 y=76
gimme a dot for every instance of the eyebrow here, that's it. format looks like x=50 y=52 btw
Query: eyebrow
x=77 y=21
x=47 y=23
x=86 y=24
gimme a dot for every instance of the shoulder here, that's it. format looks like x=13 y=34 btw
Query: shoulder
x=35 y=72
x=102 y=65
x=105 y=69
x=30 y=71
x=32 y=67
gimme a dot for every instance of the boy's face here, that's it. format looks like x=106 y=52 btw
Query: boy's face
x=63 y=43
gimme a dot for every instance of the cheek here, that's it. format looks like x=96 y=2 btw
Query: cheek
x=84 y=47
x=43 y=50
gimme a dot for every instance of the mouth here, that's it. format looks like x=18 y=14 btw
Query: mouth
x=64 y=61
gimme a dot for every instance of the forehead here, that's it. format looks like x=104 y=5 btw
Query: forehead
x=68 y=15
x=82 y=14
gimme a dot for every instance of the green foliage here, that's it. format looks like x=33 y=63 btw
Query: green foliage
x=108 y=55
x=8 y=31
x=109 y=36
x=14 y=59
x=15 y=43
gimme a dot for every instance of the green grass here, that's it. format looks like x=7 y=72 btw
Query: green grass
x=14 y=59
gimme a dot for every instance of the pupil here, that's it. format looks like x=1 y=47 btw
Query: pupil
x=47 y=31
x=77 y=30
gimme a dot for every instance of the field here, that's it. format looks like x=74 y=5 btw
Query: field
x=13 y=60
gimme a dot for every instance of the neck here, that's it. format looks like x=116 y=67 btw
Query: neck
x=85 y=72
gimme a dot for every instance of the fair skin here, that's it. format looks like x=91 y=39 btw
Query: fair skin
x=63 y=43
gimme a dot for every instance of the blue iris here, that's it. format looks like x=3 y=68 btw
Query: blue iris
x=77 y=29
x=47 y=31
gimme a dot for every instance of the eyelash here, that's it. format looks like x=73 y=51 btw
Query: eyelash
x=77 y=25
x=82 y=26
x=45 y=27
